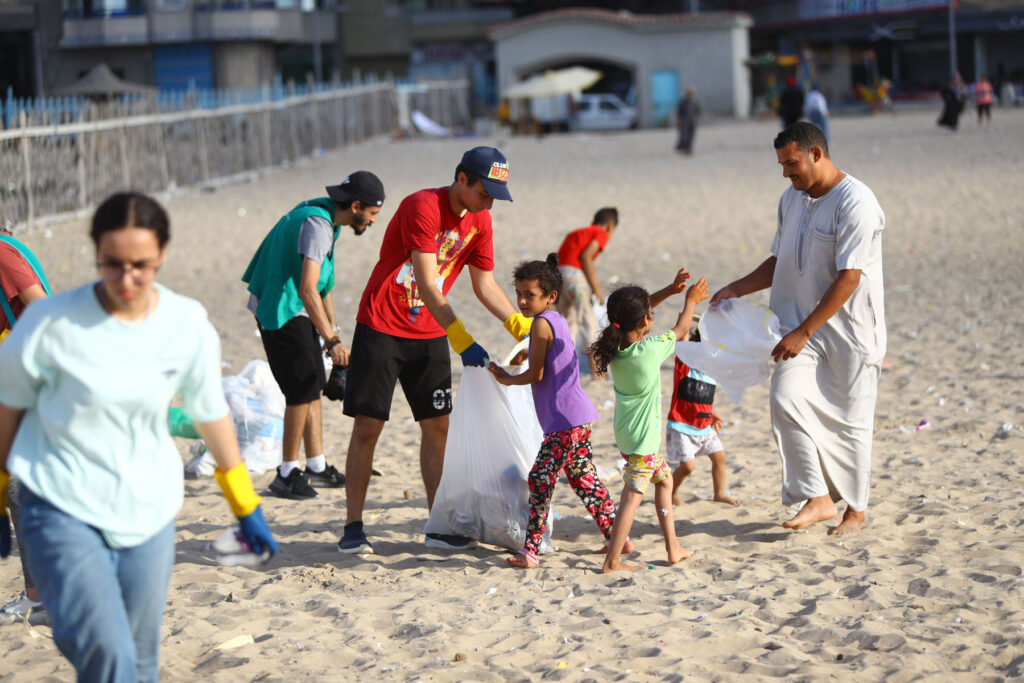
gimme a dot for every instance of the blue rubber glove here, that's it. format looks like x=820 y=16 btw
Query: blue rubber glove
x=256 y=532
x=474 y=356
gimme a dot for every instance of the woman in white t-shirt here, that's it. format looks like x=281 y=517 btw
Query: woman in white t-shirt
x=85 y=382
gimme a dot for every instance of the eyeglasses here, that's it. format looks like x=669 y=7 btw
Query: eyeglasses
x=140 y=270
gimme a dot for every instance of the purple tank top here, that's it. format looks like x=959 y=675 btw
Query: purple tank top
x=560 y=400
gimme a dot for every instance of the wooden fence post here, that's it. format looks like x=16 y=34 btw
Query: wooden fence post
x=26 y=158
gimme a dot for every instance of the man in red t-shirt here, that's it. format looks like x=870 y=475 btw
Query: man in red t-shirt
x=404 y=317
x=579 y=279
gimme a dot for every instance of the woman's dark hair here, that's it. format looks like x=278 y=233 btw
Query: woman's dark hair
x=544 y=272
x=627 y=307
x=130 y=210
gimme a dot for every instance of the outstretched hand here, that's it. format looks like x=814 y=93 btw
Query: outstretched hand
x=697 y=292
x=679 y=283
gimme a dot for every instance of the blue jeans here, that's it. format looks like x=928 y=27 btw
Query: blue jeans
x=106 y=604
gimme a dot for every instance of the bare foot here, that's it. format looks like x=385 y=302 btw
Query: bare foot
x=627 y=547
x=816 y=510
x=726 y=499
x=618 y=567
x=852 y=521
x=676 y=500
x=521 y=561
x=678 y=554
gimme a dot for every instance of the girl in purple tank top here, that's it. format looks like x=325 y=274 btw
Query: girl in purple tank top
x=564 y=410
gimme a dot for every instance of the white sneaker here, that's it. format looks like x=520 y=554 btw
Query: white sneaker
x=24 y=608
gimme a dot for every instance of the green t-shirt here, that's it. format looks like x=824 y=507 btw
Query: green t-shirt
x=636 y=373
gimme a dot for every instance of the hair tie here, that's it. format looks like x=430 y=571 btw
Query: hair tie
x=615 y=325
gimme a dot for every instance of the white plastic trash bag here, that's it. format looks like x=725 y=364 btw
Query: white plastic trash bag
x=257 y=409
x=736 y=340
x=493 y=439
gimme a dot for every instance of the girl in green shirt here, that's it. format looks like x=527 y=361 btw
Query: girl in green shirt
x=635 y=361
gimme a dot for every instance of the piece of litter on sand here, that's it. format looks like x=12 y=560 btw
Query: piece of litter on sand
x=492 y=591
x=923 y=424
x=560 y=665
x=701 y=617
x=236 y=642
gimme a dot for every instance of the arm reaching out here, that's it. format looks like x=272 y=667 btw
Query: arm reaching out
x=677 y=285
x=698 y=292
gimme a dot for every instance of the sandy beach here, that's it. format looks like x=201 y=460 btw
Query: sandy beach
x=932 y=588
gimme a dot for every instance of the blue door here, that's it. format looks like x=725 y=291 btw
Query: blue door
x=181 y=67
x=664 y=96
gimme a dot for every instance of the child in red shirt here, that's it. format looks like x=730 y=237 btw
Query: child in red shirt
x=576 y=264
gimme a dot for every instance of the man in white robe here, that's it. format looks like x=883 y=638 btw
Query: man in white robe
x=825 y=274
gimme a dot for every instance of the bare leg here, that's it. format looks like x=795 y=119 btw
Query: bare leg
x=620 y=531
x=684 y=470
x=312 y=436
x=718 y=474
x=295 y=418
x=359 y=463
x=435 y=436
x=663 y=504
x=817 y=509
x=852 y=521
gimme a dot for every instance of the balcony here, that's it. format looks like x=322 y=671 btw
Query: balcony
x=209 y=22
x=430 y=26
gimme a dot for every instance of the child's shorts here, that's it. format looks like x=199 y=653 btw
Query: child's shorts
x=641 y=470
x=684 y=447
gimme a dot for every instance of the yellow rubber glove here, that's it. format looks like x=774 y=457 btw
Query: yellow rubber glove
x=458 y=337
x=518 y=325
x=237 y=487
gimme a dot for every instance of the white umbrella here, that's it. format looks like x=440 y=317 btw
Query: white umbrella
x=555 y=82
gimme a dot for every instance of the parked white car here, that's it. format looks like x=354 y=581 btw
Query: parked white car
x=604 y=111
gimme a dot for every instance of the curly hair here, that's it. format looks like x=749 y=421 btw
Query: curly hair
x=544 y=272
x=627 y=307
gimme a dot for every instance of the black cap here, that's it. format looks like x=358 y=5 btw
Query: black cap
x=362 y=186
x=492 y=167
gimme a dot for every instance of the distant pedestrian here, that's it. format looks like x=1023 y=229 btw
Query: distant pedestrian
x=983 y=93
x=791 y=103
x=952 y=103
x=687 y=114
x=816 y=110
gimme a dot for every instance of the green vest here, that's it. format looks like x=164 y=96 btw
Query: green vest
x=276 y=270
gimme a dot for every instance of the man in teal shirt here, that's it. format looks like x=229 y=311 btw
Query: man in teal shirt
x=290 y=280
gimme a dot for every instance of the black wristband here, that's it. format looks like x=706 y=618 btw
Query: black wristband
x=331 y=343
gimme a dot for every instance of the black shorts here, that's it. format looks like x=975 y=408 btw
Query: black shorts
x=379 y=361
x=296 y=359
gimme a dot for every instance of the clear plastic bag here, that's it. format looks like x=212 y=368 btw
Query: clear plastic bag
x=257 y=409
x=736 y=340
x=493 y=439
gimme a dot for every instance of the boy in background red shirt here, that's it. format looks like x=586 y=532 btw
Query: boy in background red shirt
x=579 y=279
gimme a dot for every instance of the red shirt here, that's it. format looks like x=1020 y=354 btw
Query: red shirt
x=578 y=240
x=424 y=222
x=16 y=275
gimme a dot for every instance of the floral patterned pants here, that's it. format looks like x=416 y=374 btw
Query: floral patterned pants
x=568 y=449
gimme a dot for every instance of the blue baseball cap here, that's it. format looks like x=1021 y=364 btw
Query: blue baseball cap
x=492 y=167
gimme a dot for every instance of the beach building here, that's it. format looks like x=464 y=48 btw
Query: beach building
x=177 y=44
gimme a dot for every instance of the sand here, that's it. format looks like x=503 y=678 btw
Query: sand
x=931 y=588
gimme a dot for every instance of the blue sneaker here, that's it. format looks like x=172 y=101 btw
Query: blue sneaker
x=354 y=542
